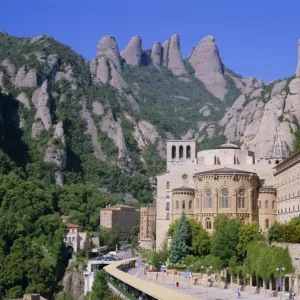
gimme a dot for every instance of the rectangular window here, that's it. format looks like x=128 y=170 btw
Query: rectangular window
x=267 y=204
x=168 y=216
x=167 y=206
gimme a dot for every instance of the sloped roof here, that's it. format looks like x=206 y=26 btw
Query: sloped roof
x=225 y=171
x=183 y=188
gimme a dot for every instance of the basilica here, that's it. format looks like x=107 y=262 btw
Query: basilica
x=225 y=180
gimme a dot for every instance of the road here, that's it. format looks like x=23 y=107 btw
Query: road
x=201 y=292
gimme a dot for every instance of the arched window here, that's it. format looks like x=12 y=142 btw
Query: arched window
x=208 y=223
x=183 y=204
x=273 y=204
x=188 y=151
x=168 y=185
x=180 y=151
x=241 y=198
x=177 y=205
x=266 y=204
x=190 y=204
x=224 y=198
x=208 y=199
x=267 y=224
x=234 y=160
x=215 y=160
x=173 y=151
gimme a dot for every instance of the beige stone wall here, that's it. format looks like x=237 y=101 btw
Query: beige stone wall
x=210 y=200
x=287 y=179
x=125 y=218
x=182 y=201
x=267 y=209
x=147 y=226
x=181 y=171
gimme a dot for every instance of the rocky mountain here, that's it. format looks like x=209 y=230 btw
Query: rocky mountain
x=120 y=107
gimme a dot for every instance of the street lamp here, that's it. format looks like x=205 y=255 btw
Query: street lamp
x=280 y=270
x=189 y=278
x=207 y=270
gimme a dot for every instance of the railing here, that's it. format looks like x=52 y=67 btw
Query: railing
x=139 y=286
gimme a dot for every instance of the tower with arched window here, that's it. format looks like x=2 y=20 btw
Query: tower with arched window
x=180 y=153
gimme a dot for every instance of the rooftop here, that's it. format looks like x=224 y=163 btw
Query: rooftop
x=228 y=145
x=72 y=226
x=225 y=171
x=183 y=188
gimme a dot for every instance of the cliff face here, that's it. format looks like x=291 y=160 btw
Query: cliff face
x=129 y=103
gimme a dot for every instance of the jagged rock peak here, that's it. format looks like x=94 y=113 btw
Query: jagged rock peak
x=156 y=54
x=133 y=52
x=108 y=47
x=206 y=61
x=298 y=65
x=165 y=47
x=175 y=62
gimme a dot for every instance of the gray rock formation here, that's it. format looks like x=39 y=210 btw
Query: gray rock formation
x=59 y=179
x=174 y=58
x=24 y=79
x=165 y=47
x=292 y=103
x=190 y=135
x=208 y=66
x=278 y=87
x=55 y=152
x=298 y=65
x=114 y=132
x=256 y=93
x=3 y=32
x=98 y=108
x=41 y=101
x=22 y=97
x=148 y=130
x=10 y=68
x=133 y=52
x=211 y=131
x=101 y=69
x=1 y=79
x=108 y=48
x=156 y=55
x=73 y=284
x=93 y=132
x=269 y=122
x=37 y=38
x=205 y=111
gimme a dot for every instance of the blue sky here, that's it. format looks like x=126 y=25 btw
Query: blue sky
x=257 y=37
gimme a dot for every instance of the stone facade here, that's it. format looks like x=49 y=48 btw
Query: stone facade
x=287 y=181
x=123 y=216
x=76 y=239
x=147 y=227
x=225 y=180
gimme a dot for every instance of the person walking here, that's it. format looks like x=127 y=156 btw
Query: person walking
x=238 y=294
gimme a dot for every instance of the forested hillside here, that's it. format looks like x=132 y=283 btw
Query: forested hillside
x=78 y=135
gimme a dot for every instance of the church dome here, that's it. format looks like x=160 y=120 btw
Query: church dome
x=228 y=145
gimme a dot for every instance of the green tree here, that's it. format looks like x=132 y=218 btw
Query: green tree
x=100 y=288
x=181 y=240
x=110 y=237
x=200 y=237
x=225 y=239
x=275 y=233
x=247 y=234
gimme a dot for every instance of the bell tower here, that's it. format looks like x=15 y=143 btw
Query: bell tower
x=180 y=152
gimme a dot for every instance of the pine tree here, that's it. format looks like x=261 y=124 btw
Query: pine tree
x=181 y=240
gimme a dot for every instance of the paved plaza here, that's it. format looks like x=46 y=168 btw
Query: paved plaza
x=201 y=292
